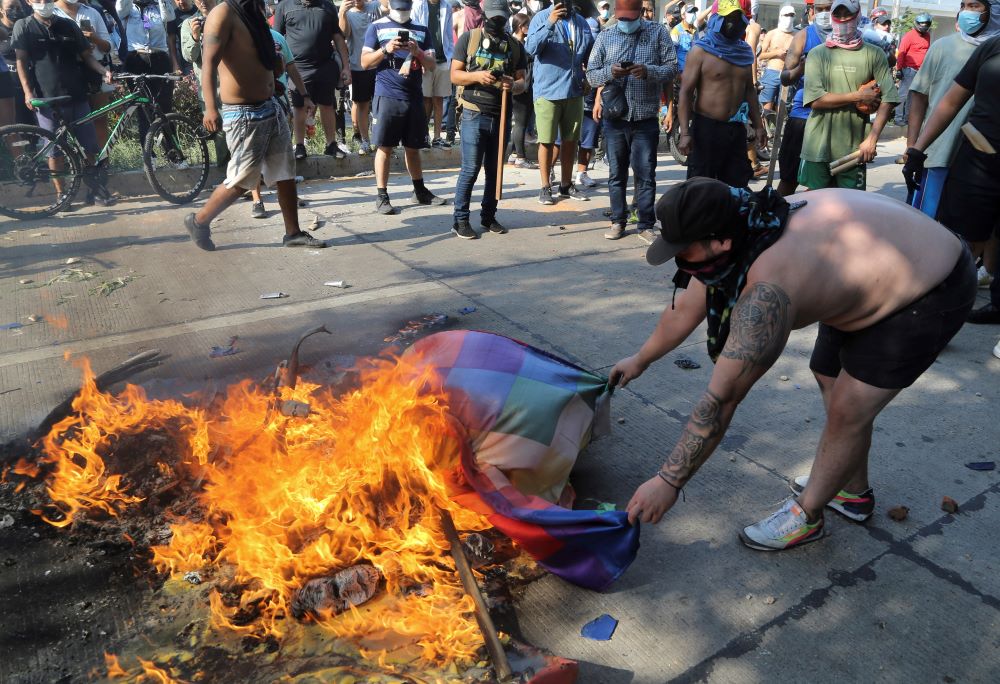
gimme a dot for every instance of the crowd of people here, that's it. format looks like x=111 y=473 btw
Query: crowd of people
x=581 y=80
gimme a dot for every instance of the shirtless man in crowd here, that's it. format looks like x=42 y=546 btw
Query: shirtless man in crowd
x=239 y=51
x=718 y=85
x=786 y=267
x=773 y=51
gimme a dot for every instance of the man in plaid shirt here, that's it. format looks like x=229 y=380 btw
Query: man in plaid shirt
x=639 y=55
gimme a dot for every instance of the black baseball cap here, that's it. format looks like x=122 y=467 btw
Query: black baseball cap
x=496 y=8
x=697 y=209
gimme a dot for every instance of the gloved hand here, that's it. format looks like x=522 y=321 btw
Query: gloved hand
x=913 y=169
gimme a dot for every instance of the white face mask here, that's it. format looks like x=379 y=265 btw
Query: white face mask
x=534 y=5
x=399 y=16
x=785 y=24
x=43 y=9
x=72 y=2
x=824 y=21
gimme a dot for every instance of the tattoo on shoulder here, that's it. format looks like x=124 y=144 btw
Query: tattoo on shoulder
x=759 y=327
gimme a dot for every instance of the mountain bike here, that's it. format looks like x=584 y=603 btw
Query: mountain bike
x=41 y=171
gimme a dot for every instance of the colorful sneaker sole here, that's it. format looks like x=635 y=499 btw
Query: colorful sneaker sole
x=853 y=507
x=803 y=537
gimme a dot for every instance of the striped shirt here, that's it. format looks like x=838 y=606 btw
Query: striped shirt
x=650 y=46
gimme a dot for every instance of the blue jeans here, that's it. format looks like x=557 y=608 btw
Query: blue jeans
x=480 y=145
x=632 y=143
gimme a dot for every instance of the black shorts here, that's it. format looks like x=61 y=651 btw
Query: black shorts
x=398 y=121
x=7 y=85
x=791 y=149
x=362 y=85
x=970 y=201
x=894 y=352
x=719 y=150
x=321 y=84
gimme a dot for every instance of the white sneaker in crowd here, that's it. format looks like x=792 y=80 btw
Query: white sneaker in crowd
x=996 y=350
x=984 y=277
x=583 y=179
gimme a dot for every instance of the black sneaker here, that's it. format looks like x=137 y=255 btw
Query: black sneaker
x=383 y=206
x=572 y=193
x=494 y=227
x=300 y=152
x=987 y=314
x=450 y=139
x=463 y=230
x=200 y=235
x=333 y=150
x=545 y=197
x=428 y=198
x=301 y=239
x=257 y=210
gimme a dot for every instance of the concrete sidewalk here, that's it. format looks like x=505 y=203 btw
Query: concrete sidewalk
x=894 y=602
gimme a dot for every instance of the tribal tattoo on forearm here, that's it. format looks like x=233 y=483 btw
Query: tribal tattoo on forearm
x=759 y=328
x=698 y=439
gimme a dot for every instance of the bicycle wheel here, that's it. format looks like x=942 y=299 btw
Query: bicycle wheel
x=175 y=156
x=38 y=174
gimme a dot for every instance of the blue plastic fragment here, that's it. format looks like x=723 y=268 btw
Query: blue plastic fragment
x=466 y=310
x=981 y=465
x=600 y=629
x=11 y=326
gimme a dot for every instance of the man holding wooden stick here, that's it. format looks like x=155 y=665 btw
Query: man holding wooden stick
x=486 y=66
x=846 y=80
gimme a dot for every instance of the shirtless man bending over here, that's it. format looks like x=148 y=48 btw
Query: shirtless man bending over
x=719 y=71
x=237 y=48
x=762 y=268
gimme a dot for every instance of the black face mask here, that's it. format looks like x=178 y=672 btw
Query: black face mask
x=734 y=26
x=495 y=26
x=15 y=13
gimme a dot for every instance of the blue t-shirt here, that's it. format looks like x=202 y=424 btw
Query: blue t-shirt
x=388 y=82
x=799 y=110
x=281 y=48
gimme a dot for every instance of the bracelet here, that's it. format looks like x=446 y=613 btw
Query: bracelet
x=663 y=476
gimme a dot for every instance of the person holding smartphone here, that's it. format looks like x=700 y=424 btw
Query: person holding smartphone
x=638 y=54
x=400 y=51
x=94 y=29
x=560 y=41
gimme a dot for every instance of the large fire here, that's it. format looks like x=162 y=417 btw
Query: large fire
x=361 y=480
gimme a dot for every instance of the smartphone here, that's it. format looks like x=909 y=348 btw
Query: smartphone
x=85 y=25
x=403 y=35
x=628 y=65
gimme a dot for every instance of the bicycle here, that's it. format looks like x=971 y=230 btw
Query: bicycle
x=41 y=171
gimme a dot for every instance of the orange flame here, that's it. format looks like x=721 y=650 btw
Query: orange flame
x=150 y=671
x=360 y=480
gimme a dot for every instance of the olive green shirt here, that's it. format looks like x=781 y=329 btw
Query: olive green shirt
x=834 y=133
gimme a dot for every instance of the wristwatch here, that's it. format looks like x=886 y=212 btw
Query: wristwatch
x=385 y=53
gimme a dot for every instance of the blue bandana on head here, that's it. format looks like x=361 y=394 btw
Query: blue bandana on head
x=736 y=52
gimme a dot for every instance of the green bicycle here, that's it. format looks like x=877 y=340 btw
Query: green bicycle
x=40 y=172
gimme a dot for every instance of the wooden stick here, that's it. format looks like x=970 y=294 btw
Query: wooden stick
x=977 y=139
x=843 y=160
x=486 y=626
x=504 y=96
x=779 y=123
x=846 y=166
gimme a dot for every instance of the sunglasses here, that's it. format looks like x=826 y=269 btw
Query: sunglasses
x=789 y=15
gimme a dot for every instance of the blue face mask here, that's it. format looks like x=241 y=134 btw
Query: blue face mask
x=969 y=22
x=628 y=26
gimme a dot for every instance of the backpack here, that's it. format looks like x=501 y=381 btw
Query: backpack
x=475 y=41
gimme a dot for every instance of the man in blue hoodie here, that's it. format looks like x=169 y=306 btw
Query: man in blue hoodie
x=560 y=41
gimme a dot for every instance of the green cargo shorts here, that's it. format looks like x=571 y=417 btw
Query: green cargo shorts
x=558 y=116
x=816 y=175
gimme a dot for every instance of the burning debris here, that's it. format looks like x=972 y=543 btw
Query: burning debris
x=334 y=595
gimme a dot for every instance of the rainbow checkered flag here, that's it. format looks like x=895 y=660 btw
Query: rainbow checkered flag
x=528 y=415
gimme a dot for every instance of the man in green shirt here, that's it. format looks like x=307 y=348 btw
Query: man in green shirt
x=846 y=79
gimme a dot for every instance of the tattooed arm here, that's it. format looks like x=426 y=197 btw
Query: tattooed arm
x=761 y=322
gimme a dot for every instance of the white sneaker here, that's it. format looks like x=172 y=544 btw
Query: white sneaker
x=996 y=350
x=583 y=179
x=984 y=277
x=784 y=529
